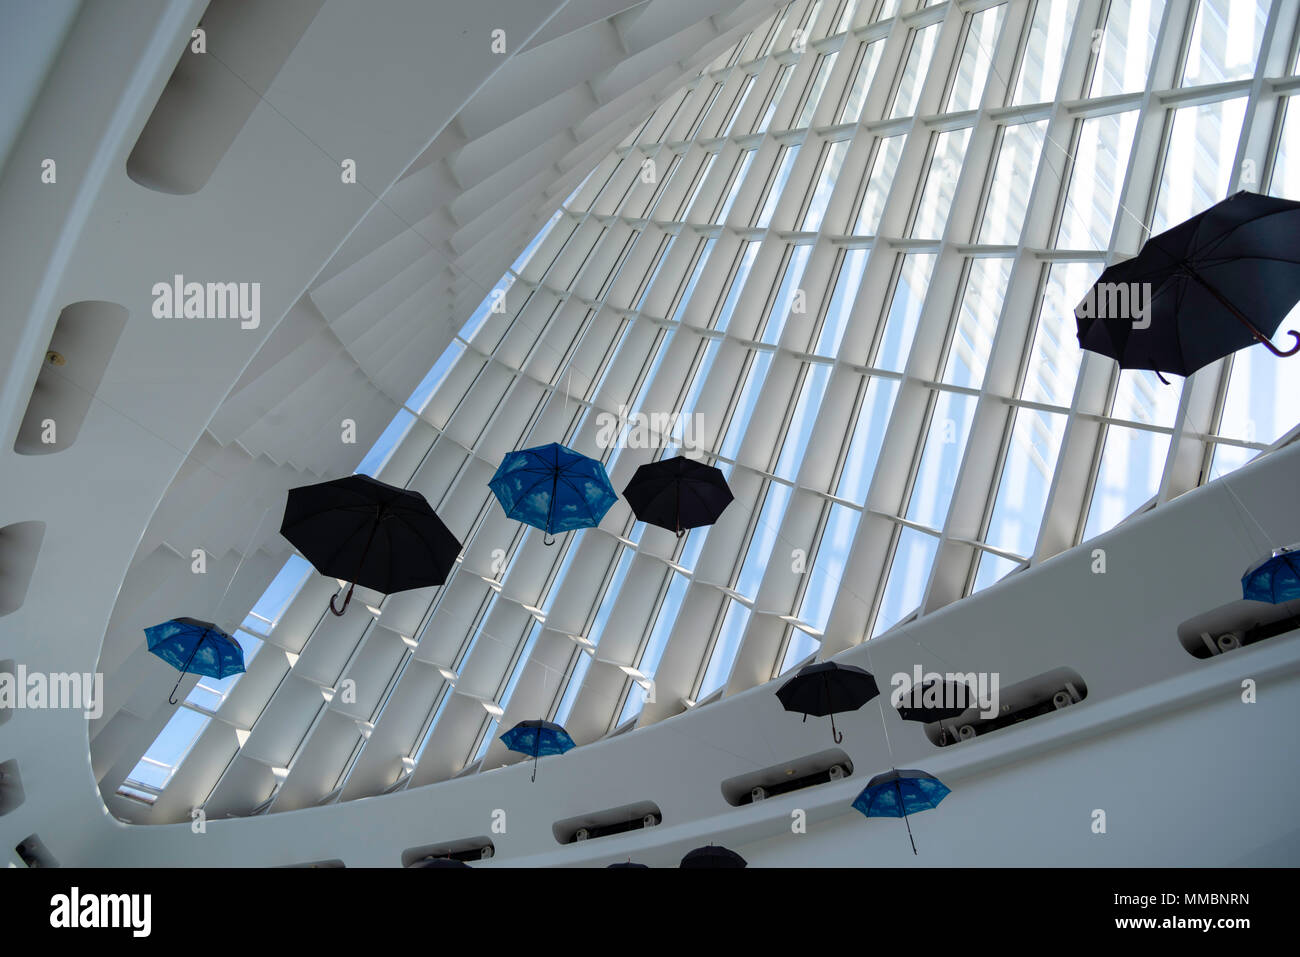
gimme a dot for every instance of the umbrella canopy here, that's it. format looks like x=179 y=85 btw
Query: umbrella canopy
x=553 y=488
x=1276 y=579
x=900 y=793
x=713 y=856
x=537 y=739
x=441 y=862
x=1221 y=281
x=628 y=863
x=826 y=688
x=678 y=494
x=369 y=533
x=935 y=701
x=195 y=647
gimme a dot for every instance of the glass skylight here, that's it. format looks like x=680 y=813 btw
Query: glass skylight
x=870 y=307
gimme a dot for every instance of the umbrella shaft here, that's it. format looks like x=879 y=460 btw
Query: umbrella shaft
x=1237 y=313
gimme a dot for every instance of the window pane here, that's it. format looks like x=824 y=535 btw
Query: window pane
x=838 y=311
x=648 y=663
x=976 y=59
x=1040 y=70
x=700 y=177
x=1199 y=162
x=852 y=111
x=825 y=65
x=868 y=436
x=1285 y=181
x=908 y=576
x=991 y=569
x=940 y=184
x=945 y=444
x=742 y=168
x=783 y=78
x=1055 y=355
x=1100 y=162
x=918 y=65
x=1225 y=41
x=749 y=252
x=764 y=538
x=725 y=648
x=1025 y=481
x=1262 y=402
x=1127 y=45
x=888 y=152
x=827 y=572
x=1132 y=463
x=826 y=179
x=1013 y=178
x=1140 y=396
x=904 y=312
x=788 y=155
x=801 y=424
x=977 y=322
x=738 y=104
x=754 y=379
x=786 y=293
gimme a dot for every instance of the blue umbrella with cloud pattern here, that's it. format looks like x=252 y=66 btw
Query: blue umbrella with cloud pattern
x=195 y=647
x=537 y=739
x=553 y=488
x=900 y=793
x=1276 y=579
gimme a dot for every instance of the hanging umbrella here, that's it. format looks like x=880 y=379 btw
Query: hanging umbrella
x=1276 y=579
x=195 y=647
x=912 y=707
x=1221 y=281
x=369 y=533
x=441 y=862
x=553 y=488
x=900 y=793
x=678 y=494
x=537 y=739
x=827 y=688
x=628 y=863
x=713 y=856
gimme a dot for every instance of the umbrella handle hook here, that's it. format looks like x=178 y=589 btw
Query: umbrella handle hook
x=1278 y=352
x=837 y=735
x=346 y=600
x=544 y=539
x=1240 y=317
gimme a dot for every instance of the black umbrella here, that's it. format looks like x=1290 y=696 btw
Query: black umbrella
x=628 y=863
x=1221 y=281
x=366 y=532
x=825 y=689
x=912 y=706
x=678 y=494
x=441 y=862
x=713 y=856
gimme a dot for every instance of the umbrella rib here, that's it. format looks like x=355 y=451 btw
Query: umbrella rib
x=343 y=545
x=1219 y=240
x=577 y=491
